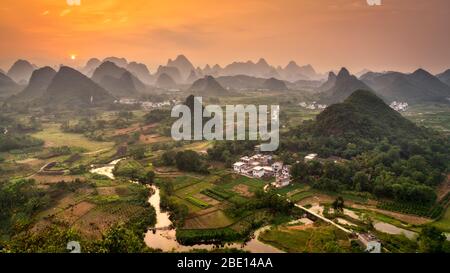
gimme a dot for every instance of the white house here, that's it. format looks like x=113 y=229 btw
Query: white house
x=277 y=166
x=282 y=181
x=238 y=166
x=310 y=157
x=258 y=171
x=245 y=159
x=371 y=243
x=268 y=171
x=286 y=170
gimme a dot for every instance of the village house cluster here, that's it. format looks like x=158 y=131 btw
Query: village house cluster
x=312 y=106
x=147 y=105
x=399 y=106
x=262 y=166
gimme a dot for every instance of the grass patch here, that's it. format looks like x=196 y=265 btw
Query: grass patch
x=444 y=222
x=322 y=239
x=217 y=194
x=54 y=137
x=216 y=219
x=197 y=202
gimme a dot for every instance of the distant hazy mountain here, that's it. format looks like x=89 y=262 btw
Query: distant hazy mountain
x=141 y=71
x=121 y=62
x=199 y=72
x=244 y=82
x=193 y=76
x=117 y=80
x=260 y=69
x=305 y=85
x=7 y=86
x=90 y=67
x=362 y=72
x=445 y=77
x=419 y=86
x=183 y=65
x=124 y=86
x=39 y=82
x=171 y=71
x=241 y=82
x=107 y=68
x=292 y=72
x=71 y=88
x=331 y=81
x=21 y=71
x=165 y=81
x=274 y=85
x=207 y=87
x=342 y=86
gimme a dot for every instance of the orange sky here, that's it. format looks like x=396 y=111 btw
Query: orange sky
x=399 y=35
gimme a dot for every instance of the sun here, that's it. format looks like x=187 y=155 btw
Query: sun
x=73 y=57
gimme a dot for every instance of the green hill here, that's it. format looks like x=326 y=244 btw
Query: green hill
x=364 y=115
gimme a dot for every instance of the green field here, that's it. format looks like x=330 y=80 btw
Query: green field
x=216 y=219
x=253 y=183
x=444 y=222
x=193 y=189
x=322 y=239
x=54 y=137
x=436 y=116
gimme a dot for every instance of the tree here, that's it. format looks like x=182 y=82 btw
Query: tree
x=120 y=239
x=168 y=188
x=190 y=161
x=147 y=178
x=361 y=181
x=431 y=240
x=168 y=158
x=299 y=171
x=138 y=153
x=338 y=204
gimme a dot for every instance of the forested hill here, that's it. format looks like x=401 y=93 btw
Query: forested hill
x=364 y=115
x=361 y=123
x=387 y=155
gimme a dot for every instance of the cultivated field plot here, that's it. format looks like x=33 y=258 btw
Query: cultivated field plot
x=436 y=116
x=234 y=184
x=214 y=219
x=193 y=189
x=311 y=239
x=54 y=137
x=444 y=222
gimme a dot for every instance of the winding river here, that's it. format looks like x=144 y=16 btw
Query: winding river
x=163 y=237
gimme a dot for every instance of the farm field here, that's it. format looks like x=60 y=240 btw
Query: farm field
x=436 y=116
x=54 y=137
x=208 y=220
x=309 y=239
x=444 y=222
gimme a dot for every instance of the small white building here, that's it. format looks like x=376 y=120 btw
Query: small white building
x=282 y=181
x=286 y=170
x=277 y=166
x=311 y=157
x=245 y=159
x=268 y=171
x=258 y=171
x=255 y=164
x=238 y=166
x=371 y=243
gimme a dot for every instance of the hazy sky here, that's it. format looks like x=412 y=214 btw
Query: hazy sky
x=398 y=35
